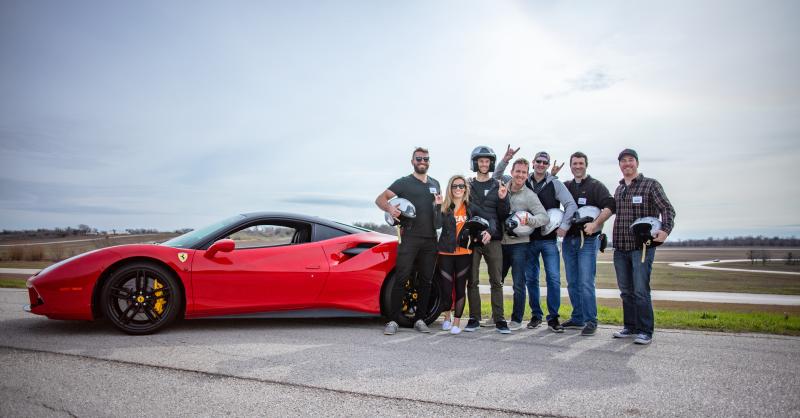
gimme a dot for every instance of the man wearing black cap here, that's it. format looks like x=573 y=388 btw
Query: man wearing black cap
x=637 y=196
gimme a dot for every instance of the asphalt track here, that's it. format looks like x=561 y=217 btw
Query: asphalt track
x=347 y=367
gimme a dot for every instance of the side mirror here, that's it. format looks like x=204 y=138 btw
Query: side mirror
x=221 y=246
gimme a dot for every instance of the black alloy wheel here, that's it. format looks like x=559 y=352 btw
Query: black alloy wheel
x=408 y=303
x=141 y=298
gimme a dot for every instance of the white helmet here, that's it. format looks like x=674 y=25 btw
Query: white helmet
x=556 y=216
x=644 y=228
x=407 y=211
x=585 y=214
x=516 y=227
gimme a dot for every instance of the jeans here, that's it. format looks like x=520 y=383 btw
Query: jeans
x=580 y=266
x=552 y=268
x=518 y=259
x=633 y=279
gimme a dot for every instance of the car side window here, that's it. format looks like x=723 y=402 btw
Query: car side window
x=263 y=235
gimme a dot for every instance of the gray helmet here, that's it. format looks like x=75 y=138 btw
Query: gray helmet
x=585 y=214
x=556 y=216
x=515 y=225
x=643 y=229
x=407 y=211
x=482 y=151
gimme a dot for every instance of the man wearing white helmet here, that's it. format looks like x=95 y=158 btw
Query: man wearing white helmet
x=636 y=197
x=489 y=199
x=552 y=194
x=522 y=200
x=418 y=244
x=580 y=245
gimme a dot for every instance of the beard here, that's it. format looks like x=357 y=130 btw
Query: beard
x=420 y=168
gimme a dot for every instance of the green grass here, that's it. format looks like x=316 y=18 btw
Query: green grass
x=704 y=320
x=13 y=283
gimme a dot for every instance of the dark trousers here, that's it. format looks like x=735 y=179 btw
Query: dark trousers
x=453 y=275
x=414 y=254
x=633 y=279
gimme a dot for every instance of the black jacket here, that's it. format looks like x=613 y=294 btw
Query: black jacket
x=448 y=241
x=490 y=207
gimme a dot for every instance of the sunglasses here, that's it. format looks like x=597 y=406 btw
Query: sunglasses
x=458 y=186
x=419 y=159
x=542 y=162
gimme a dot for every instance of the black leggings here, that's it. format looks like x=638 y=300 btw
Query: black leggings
x=454 y=268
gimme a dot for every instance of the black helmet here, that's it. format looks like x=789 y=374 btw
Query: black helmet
x=470 y=235
x=482 y=151
x=643 y=230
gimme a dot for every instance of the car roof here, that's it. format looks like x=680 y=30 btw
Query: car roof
x=300 y=217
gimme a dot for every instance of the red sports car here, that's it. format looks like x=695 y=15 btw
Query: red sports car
x=252 y=265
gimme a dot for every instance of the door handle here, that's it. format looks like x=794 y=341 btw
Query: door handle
x=314 y=267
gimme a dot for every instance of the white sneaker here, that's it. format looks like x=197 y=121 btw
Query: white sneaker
x=455 y=330
x=446 y=325
x=514 y=325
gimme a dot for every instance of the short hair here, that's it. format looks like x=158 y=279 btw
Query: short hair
x=578 y=154
x=520 y=161
x=419 y=149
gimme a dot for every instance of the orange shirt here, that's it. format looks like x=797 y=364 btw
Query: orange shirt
x=461 y=218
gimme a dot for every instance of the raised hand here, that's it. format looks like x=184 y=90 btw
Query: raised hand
x=555 y=168
x=510 y=153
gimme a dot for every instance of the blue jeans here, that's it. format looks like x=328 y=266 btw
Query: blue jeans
x=580 y=266
x=517 y=257
x=552 y=268
x=633 y=279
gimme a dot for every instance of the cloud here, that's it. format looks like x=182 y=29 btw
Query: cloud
x=592 y=80
x=321 y=200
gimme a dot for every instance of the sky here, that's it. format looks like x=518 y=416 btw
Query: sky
x=154 y=114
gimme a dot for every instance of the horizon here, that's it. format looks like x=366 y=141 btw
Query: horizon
x=175 y=115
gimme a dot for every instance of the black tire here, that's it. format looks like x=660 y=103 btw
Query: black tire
x=141 y=298
x=406 y=316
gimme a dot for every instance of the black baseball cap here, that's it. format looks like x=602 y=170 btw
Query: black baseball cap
x=628 y=151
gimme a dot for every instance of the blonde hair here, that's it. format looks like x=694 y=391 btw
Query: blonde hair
x=448 y=197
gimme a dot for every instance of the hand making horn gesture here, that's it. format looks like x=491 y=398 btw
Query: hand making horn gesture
x=509 y=153
x=555 y=168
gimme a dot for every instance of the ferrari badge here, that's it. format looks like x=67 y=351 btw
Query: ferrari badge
x=183 y=257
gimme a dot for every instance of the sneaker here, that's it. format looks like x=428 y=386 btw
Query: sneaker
x=421 y=326
x=390 y=329
x=455 y=330
x=535 y=322
x=502 y=327
x=643 y=339
x=472 y=325
x=624 y=333
x=514 y=325
x=446 y=325
x=570 y=324
x=555 y=326
x=589 y=329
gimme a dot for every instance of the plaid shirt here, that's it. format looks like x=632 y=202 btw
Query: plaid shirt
x=643 y=197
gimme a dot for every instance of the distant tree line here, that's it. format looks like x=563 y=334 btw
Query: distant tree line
x=748 y=241
x=80 y=230
x=383 y=228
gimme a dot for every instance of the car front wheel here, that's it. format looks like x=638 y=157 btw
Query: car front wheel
x=408 y=302
x=141 y=298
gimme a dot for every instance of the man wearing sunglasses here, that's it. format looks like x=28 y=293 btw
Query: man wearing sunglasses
x=418 y=244
x=552 y=194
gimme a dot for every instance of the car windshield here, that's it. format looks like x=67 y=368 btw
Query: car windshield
x=190 y=239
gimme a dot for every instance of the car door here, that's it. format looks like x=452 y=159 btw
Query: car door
x=273 y=267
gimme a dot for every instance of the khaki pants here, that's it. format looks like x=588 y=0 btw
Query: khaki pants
x=493 y=253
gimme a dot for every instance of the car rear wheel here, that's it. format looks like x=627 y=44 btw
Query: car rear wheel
x=141 y=298
x=408 y=303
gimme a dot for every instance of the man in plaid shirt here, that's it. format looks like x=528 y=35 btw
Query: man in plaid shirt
x=637 y=196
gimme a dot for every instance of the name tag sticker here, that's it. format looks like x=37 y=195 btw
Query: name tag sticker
x=485 y=192
x=581 y=200
x=433 y=190
x=637 y=200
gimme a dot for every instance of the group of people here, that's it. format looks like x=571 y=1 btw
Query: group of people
x=526 y=194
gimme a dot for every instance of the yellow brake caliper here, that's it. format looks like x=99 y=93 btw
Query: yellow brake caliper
x=160 y=302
